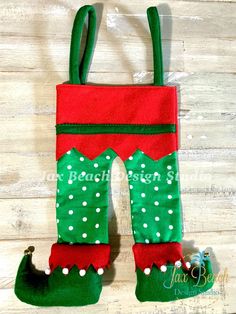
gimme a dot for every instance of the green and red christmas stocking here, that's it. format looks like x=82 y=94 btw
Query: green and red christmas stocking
x=94 y=125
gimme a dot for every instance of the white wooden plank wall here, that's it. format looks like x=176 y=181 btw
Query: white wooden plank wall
x=199 y=57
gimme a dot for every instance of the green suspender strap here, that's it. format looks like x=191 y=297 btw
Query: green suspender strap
x=155 y=29
x=78 y=70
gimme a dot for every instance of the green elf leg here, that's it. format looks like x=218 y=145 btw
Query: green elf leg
x=162 y=273
x=82 y=251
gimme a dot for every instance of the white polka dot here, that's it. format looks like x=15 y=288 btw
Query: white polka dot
x=130 y=172
x=97 y=242
x=84 y=188
x=145 y=225
x=84 y=219
x=157 y=218
x=131 y=186
x=69 y=152
x=170 y=211
x=169 y=167
x=156 y=174
x=143 y=194
x=158 y=234
x=147 y=271
x=98 y=210
x=134 y=232
x=171 y=227
x=100 y=271
x=57 y=205
x=131 y=202
x=169 y=182
x=69 y=167
x=108 y=157
x=70 y=181
x=70 y=228
x=131 y=158
x=143 y=210
x=169 y=197
x=81 y=159
x=70 y=212
x=84 y=203
x=83 y=173
x=97 y=179
x=188 y=265
x=156 y=203
x=95 y=165
x=59 y=236
x=58 y=191
x=82 y=272
x=146 y=241
x=47 y=271
x=71 y=196
x=143 y=165
x=156 y=188
x=58 y=221
x=97 y=194
x=143 y=180
x=97 y=226
x=84 y=235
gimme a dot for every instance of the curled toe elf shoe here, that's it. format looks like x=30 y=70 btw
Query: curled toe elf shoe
x=163 y=275
x=94 y=125
x=73 y=278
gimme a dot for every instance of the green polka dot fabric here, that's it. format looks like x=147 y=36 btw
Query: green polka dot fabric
x=82 y=197
x=155 y=201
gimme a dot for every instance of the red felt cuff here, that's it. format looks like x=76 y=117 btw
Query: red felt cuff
x=147 y=255
x=81 y=255
x=116 y=104
x=91 y=146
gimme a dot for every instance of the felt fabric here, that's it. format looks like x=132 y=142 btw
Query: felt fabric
x=83 y=256
x=35 y=287
x=148 y=255
x=115 y=105
x=82 y=198
x=124 y=145
x=89 y=104
x=155 y=198
x=174 y=284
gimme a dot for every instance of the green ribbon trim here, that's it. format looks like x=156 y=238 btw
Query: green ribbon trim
x=68 y=128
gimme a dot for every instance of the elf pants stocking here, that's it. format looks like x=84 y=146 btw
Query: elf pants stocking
x=94 y=125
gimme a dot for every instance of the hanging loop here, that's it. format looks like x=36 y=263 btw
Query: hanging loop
x=78 y=70
x=155 y=29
